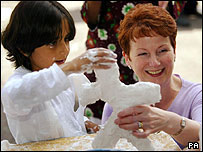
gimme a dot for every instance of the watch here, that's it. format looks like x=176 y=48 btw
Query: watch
x=182 y=125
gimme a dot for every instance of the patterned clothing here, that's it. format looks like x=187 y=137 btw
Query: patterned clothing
x=105 y=34
x=175 y=8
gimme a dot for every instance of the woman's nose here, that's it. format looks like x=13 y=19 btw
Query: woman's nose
x=154 y=61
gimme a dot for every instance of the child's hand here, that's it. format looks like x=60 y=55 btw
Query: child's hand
x=97 y=58
x=91 y=127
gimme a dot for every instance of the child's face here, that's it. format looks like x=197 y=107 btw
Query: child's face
x=46 y=55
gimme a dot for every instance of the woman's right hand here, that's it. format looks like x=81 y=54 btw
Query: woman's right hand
x=96 y=58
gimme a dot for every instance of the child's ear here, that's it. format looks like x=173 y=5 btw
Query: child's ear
x=127 y=59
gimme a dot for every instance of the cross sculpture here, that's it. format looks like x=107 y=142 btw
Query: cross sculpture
x=110 y=89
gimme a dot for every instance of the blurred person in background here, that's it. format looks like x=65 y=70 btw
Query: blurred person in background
x=190 y=10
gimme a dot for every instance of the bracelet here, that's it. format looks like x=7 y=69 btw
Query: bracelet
x=182 y=125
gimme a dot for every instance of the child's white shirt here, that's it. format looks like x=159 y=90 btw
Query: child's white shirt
x=40 y=105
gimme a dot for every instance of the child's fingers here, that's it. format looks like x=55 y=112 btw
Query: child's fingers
x=101 y=66
x=99 y=62
x=106 y=52
x=104 y=61
x=97 y=58
x=99 y=52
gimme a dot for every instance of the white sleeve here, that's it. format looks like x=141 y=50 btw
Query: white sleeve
x=78 y=80
x=35 y=87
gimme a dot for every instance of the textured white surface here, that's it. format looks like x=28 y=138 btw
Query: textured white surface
x=161 y=142
x=109 y=88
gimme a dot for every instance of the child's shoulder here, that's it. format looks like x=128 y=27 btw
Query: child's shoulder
x=17 y=74
x=20 y=71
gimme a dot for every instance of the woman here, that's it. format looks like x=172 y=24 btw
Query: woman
x=147 y=37
x=103 y=18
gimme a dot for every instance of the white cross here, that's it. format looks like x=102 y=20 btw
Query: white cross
x=110 y=89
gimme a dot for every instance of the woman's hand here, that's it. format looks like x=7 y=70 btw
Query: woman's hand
x=153 y=119
x=91 y=127
x=97 y=58
x=150 y=119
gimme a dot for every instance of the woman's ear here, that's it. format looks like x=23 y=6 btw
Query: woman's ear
x=127 y=59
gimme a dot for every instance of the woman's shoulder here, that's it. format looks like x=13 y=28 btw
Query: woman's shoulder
x=189 y=85
x=193 y=87
x=188 y=98
x=190 y=92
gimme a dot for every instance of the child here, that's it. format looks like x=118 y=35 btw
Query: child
x=39 y=98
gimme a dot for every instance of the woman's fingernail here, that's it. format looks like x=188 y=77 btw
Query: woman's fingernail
x=116 y=121
x=119 y=114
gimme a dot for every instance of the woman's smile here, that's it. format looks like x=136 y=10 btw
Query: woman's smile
x=155 y=73
x=151 y=61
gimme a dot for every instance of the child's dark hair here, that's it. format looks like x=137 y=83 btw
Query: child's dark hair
x=33 y=24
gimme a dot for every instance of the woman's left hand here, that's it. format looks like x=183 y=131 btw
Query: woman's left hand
x=150 y=119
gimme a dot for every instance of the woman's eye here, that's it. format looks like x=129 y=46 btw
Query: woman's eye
x=164 y=50
x=142 y=54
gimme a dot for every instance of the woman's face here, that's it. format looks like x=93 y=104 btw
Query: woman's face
x=46 y=55
x=152 y=59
